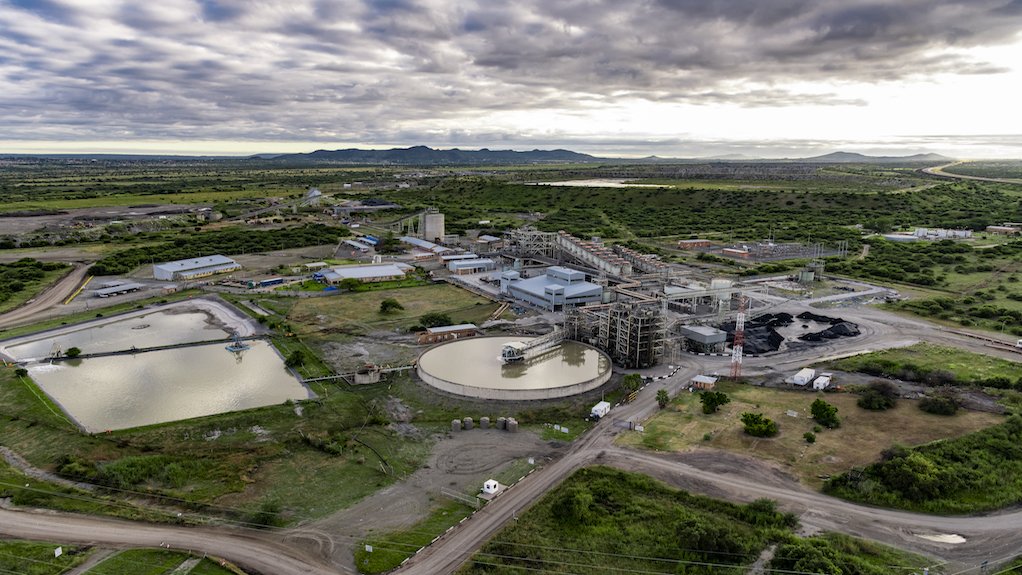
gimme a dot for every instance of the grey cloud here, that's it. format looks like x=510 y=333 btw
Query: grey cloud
x=368 y=69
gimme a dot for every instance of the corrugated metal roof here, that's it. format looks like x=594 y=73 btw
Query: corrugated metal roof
x=450 y=328
x=488 y=238
x=118 y=289
x=196 y=263
x=367 y=272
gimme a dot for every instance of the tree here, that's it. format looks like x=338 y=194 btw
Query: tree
x=73 y=352
x=712 y=400
x=390 y=305
x=295 y=358
x=662 y=398
x=758 y=426
x=825 y=414
x=21 y=372
x=435 y=319
x=350 y=284
x=631 y=382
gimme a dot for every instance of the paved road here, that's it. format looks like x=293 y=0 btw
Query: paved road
x=56 y=293
x=992 y=537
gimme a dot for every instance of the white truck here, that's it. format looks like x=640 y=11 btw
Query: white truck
x=599 y=410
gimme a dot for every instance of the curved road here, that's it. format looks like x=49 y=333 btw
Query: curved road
x=939 y=171
x=993 y=537
x=49 y=298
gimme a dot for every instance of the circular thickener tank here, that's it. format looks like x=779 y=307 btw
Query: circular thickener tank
x=472 y=367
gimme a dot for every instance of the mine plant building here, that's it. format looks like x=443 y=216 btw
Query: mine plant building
x=194 y=268
x=559 y=287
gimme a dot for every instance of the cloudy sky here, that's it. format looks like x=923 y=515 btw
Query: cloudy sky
x=611 y=77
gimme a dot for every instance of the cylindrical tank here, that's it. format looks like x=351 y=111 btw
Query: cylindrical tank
x=467 y=422
x=484 y=423
x=512 y=425
x=456 y=425
x=501 y=423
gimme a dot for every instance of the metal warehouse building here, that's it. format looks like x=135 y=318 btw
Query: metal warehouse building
x=365 y=274
x=194 y=268
x=556 y=289
x=472 y=266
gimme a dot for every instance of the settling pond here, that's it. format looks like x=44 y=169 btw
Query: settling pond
x=123 y=391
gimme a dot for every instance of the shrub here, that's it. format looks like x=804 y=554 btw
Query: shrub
x=73 y=352
x=809 y=436
x=825 y=414
x=880 y=395
x=943 y=404
x=757 y=425
x=390 y=305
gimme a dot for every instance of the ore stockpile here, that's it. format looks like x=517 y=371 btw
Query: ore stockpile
x=762 y=336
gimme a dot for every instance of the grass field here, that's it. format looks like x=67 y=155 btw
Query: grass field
x=966 y=366
x=360 y=312
x=153 y=562
x=390 y=549
x=860 y=439
x=36 y=558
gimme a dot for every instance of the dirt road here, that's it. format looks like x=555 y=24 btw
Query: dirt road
x=253 y=551
x=939 y=171
x=56 y=294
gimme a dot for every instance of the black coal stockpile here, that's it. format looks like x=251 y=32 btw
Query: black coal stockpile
x=760 y=336
x=774 y=319
x=820 y=318
x=842 y=329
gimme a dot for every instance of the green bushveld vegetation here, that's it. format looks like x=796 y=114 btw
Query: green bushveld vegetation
x=981 y=471
x=604 y=520
x=937 y=366
x=228 y=241
x=22 y=279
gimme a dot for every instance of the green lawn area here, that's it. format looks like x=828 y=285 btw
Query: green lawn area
x=390 y=549
x=36 y=558
x=153 y=562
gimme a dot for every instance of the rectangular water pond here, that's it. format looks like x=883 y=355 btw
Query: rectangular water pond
x=118 y=392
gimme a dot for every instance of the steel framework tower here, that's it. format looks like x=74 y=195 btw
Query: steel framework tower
x=739 y=341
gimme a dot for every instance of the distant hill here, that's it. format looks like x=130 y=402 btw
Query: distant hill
x=423 y=155
x=854 y=158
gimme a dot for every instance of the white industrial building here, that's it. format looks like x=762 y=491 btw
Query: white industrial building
x=804 y=376
x=194 y=268
x=559 y=287
x=364 y=274
x=471 y=266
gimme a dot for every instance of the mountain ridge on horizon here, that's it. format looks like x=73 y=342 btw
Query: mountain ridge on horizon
x=425 y=155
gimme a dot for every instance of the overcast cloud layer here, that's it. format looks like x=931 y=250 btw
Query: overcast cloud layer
x=458 y=73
